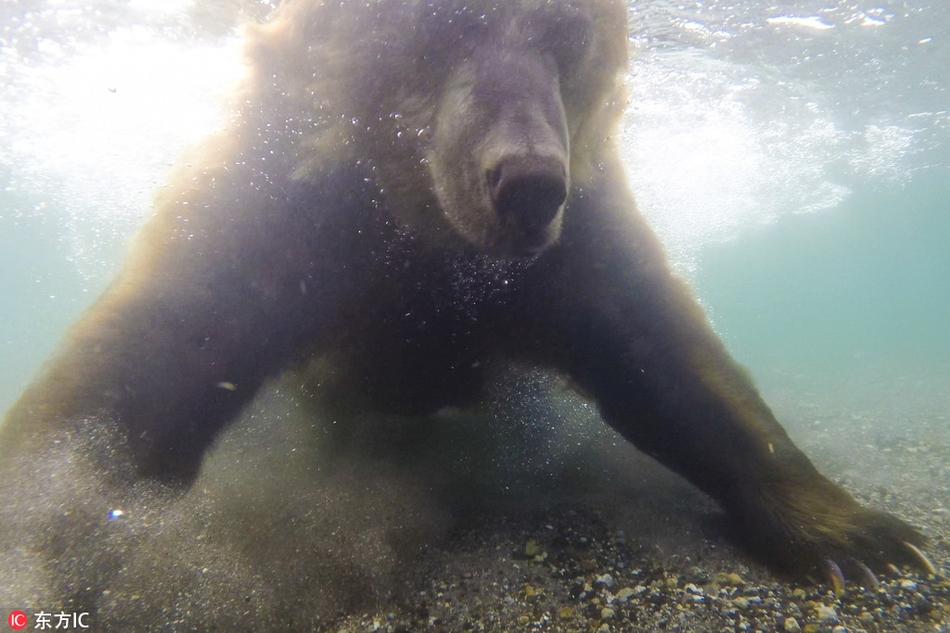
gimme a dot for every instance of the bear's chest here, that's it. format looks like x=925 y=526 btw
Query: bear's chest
x=428 y=340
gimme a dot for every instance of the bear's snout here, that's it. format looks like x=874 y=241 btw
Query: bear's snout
x=527 y=193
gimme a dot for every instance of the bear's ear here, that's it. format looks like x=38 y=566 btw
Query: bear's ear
x=297 y=74
x=594 y=86
x=567 y=37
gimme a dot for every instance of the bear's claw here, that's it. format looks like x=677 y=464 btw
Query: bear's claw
x=870 y=578
x=835 y=576
x=925 y=563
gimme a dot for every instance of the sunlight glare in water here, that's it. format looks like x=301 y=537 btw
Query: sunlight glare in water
x=69 y=132
x=706 y=167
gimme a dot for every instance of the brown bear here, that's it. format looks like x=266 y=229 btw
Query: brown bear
x=409 y=193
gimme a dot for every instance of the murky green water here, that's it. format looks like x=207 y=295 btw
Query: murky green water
x=864 y=282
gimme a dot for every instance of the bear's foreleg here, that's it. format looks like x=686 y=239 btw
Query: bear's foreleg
x=640 y=344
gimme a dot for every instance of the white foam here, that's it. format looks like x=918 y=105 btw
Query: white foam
x=809 y=22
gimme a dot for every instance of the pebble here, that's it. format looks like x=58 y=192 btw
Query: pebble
x=624 y=594
x=792 y=625
x=826 y=614
x=729 y=579
x=532 y=548
x=606 y=581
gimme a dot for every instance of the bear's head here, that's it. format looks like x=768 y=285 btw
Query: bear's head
x=473 y=117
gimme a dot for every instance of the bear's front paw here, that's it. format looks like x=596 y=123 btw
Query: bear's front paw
x=817 y=531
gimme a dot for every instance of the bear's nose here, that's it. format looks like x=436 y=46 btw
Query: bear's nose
x=528 y=191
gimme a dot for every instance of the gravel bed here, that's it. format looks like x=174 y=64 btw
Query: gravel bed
x=568 y=572
x=653 y=555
